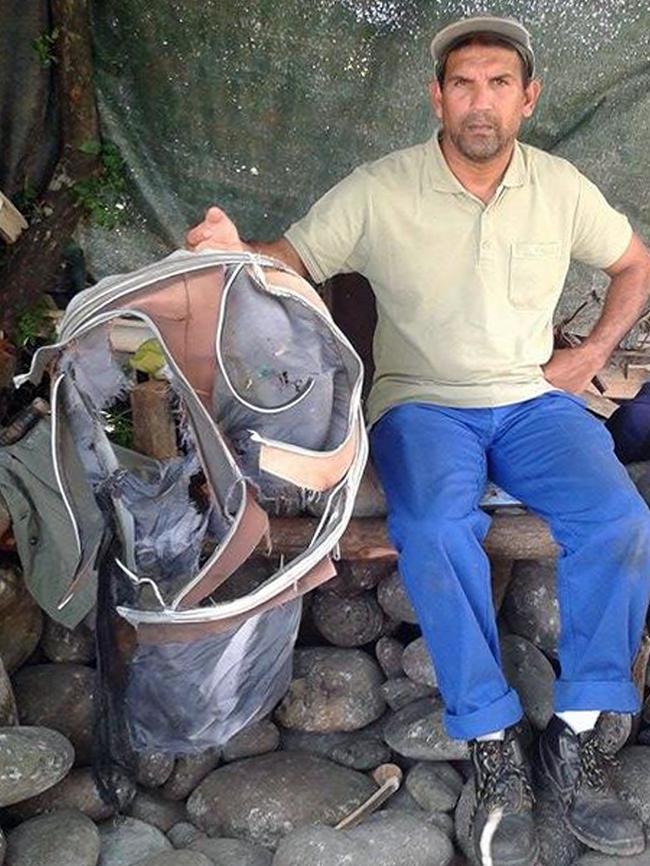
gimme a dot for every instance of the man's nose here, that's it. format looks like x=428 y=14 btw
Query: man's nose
x=481 y=97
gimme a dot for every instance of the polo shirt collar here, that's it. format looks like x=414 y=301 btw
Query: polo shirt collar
x=444 y=180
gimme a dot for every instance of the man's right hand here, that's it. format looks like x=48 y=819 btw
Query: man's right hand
x=217 y=231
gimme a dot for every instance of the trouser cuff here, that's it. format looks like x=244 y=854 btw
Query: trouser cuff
x=500 y=714
x=607 y=696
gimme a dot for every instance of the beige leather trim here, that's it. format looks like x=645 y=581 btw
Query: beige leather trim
x=315 y=470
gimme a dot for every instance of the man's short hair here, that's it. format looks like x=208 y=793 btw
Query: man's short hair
x=482 y=39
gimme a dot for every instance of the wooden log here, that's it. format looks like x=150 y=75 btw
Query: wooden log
x=154 y=431
x=511 y=536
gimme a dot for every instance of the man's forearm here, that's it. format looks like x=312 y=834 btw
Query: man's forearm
x=280 y=249
x=625 y=301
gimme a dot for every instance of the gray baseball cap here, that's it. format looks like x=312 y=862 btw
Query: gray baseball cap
x=507 y=28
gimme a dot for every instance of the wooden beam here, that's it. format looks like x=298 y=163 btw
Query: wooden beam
x=511 y=536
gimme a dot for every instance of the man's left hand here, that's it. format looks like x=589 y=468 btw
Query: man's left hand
x=573 y=369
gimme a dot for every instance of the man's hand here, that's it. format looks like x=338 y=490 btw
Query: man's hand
x=573 y=369
x=216 y=231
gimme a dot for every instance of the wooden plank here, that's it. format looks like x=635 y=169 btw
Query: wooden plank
x=154 y=431
x=511 y=536
x=12 y=222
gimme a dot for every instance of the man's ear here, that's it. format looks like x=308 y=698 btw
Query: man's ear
x=435 y=93
x=531 y=95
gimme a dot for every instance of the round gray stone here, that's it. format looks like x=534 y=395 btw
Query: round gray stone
x=531 y=607
x=255 y=739
x=124 y=841
x=463 y=820
x=592 y=858
x=152 y=808
x=181 y=835
x=21 y=620
x=59 y=696
x=389 y=655
x=401 y=691
x=332 y=690
x=61 y=644
x=188 y=771
x=8 y=710
x=232 y=852
x=175 y=858
x=63 y=838
x=417 y=663
x=347 y=622
x=154 y=768
x=261 y=799
x=436 y=786
x=31 y=760
x=383 y=839
x=359 y=750
x=531 y=674
x=354 y=577
x=393 y=599
x=76 y=791
x=417 y=732
x=631 y=778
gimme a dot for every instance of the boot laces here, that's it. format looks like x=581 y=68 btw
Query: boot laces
x=596 y=765
x=501 y=780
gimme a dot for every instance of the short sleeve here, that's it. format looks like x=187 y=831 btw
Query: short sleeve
x=331 y=238
x=601 y=234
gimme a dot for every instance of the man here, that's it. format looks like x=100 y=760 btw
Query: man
x=466 y=240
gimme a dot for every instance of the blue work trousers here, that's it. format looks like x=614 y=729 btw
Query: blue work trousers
x=551 y=454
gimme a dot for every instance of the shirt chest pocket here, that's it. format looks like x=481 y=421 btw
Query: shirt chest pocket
x=535 y=270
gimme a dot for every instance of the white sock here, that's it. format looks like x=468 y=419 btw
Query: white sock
x=580 y=720
x=493 y=735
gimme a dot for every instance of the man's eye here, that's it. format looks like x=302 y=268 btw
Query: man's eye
x=501 y=81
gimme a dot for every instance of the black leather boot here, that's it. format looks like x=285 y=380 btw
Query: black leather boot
x=575 y=769
x=503 y=832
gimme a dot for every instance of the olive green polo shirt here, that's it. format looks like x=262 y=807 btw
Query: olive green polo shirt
x=465 y=291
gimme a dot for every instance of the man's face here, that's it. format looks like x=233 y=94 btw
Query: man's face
x=483 y=100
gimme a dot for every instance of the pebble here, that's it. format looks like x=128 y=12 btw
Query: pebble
x=531 y=674
x=389 y=655
x=154 y=768
x=531 y=607
x=152 y=808
x=124 y=841
x=347 y=622
x=31 y=761
x=59 y=696
x=232 y=852
x=436 y=786
x=332 y=690
x=402 y=691
x=359 y=750
x=21 y=620
x=261 y=799
x=8 y=710
x=63 y=838
x=255 y=739
x=175 y=858
x=357 y=576
x=383 y=839
x=417 y=731
x=417 y=663
x=188 y=771
x=393 y=599
x=76 y=791
x=61 y=644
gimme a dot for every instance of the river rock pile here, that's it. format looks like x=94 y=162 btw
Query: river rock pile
x=363 y=694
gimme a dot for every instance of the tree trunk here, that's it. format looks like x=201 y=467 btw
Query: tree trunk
x=34 y=262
